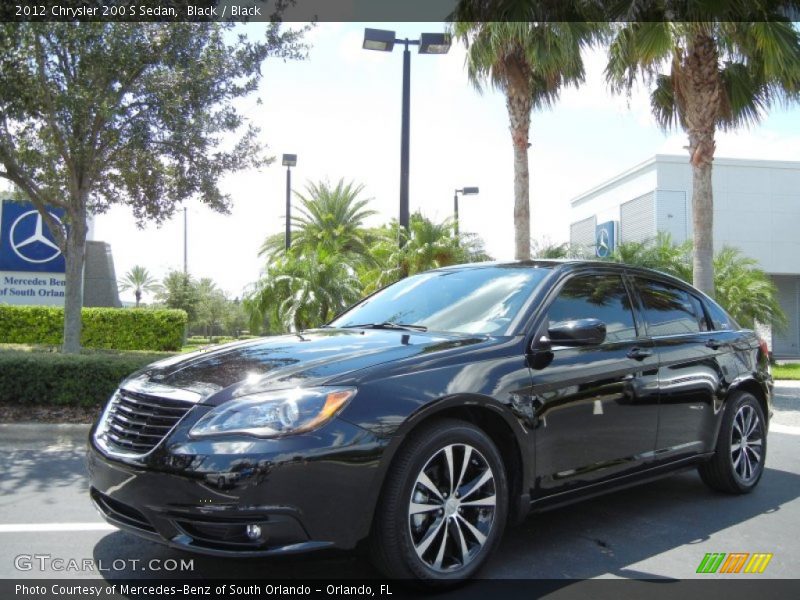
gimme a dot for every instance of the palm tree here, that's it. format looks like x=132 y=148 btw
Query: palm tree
x=428 y=245
x=745 y=291
x=140 y=281
x=303 y=292
x=330 y=219
x=660 y=253
x=720 y=69
x=548 y=250
x=529 y=61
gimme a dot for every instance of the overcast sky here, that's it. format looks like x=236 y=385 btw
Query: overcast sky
x=340 y=112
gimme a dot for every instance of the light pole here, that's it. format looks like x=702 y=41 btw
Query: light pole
x=289 y=161
x=467 y=191
x=429 y=43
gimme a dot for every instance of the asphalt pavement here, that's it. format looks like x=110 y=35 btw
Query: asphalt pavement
x=660 y=530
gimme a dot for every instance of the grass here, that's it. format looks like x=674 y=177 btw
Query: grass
x=787 y=371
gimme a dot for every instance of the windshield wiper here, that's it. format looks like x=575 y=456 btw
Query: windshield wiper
x=389 y=325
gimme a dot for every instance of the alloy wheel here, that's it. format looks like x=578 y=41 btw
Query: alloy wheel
x=452 y=507
x=747 y=440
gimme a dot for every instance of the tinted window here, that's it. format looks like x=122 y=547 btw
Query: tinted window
x=701 y=314
x=668 y=310
x=474 y=300
x=596 y=297
x=719 y=318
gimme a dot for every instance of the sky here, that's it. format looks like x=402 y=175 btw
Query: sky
x=339 y=111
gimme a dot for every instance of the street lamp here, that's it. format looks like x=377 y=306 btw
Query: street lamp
x=289 y=161
x=429 y=43
x=467 y=191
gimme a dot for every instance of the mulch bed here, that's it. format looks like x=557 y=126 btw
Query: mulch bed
x=10 y=413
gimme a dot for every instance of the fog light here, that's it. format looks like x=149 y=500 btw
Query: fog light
x=253 y=531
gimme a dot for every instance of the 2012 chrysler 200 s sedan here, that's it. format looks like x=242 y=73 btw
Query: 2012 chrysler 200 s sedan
x=434 y=412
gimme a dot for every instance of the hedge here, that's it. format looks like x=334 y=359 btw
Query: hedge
x=66 y=379
x=115 y=328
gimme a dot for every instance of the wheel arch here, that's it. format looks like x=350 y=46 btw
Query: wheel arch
x=494 y=419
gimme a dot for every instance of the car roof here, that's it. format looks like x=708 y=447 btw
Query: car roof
x=571 y=264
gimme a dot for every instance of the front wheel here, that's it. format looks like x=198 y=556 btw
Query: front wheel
x=738 y=463
x=443 y=507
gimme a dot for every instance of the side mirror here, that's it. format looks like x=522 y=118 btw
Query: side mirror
x=580 y=332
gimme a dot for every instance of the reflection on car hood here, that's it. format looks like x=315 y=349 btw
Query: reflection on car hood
x=307 y=358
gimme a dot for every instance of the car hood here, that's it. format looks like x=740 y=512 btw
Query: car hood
x=302 y=359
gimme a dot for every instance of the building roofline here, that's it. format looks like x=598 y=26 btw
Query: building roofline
x=680 y=159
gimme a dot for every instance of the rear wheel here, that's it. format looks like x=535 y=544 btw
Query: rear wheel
x=738 y=463
x=443 y=507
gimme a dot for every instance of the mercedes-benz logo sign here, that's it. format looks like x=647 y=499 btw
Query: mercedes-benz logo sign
x=603 y=243
x=34 y=247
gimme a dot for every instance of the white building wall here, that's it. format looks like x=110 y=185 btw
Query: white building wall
x=756 y=206
x=604 y=201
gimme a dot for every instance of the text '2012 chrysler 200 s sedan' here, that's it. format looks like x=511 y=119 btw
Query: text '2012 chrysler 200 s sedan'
x=434 y=412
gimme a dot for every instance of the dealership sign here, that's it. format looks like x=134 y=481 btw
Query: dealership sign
x=605 y=239
x=31 y=263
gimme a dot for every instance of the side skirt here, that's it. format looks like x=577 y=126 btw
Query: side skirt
x=559 y=499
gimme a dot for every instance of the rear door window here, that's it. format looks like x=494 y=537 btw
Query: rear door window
x=668 y=310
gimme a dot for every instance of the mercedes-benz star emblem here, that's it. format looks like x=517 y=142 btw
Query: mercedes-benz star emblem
x=603 y=243
x=34 y=248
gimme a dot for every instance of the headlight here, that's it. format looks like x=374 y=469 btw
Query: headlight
x=273 y=414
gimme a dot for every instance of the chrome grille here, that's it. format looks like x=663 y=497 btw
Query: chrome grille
x=138 y=422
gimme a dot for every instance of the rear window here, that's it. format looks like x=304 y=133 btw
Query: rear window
x=668 y=310
x=720 y=320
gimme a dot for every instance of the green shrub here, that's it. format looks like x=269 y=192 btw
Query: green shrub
x=116 y=328
x=37 y=377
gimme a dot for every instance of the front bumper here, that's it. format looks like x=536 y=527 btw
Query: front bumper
x=304 y=492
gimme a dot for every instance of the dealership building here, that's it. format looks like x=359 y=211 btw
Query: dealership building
x=756 y=209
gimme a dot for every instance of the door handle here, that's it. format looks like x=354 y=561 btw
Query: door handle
x=639 y=353
x=713 y=344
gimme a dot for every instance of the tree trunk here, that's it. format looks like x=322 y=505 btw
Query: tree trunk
x=519 y=113
x=73 y=294
x=703 y=90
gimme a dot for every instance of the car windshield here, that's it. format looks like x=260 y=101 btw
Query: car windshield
x=475 y=300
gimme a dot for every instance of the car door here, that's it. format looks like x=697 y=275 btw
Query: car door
x=690 y=372
x=595 y=406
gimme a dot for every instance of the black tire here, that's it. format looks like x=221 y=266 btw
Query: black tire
x=398 y=535
x=728 y=470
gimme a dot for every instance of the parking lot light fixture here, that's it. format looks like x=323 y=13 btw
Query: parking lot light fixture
x=467 y=191
x=429 y=43
x=289 y=161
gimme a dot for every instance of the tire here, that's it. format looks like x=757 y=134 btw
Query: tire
x=741 y=451
x=447 y=537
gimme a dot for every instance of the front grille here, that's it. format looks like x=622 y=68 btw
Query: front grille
x=138 y=422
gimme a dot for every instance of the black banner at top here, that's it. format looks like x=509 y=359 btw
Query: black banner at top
x=240 y=11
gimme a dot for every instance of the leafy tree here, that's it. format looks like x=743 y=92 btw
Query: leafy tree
x=140 y=281
x=722 y=68
x=529 y=60
x=179 y=290
x=330 y=219
x=212 y=306
x=235 y=319
x=142 y=114
x=302 y=292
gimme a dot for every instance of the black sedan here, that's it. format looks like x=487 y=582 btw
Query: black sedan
x=434 y=412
